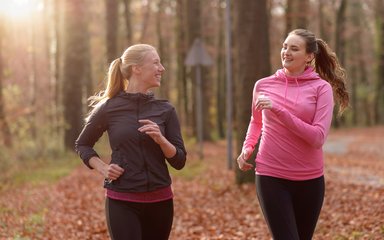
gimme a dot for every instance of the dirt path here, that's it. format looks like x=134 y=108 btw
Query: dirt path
x=210 y=205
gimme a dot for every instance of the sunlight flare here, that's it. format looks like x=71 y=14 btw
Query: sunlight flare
x=19 y=8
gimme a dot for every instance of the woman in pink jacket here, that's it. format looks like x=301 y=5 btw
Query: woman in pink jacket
x=291 y=115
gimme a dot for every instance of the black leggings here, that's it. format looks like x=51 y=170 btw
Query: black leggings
x=291 y=208
x=139 y=221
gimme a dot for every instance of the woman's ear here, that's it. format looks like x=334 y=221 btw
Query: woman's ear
x=310 y=57
x=136 y=69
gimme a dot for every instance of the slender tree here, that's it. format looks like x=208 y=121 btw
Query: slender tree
x=112 y=29
x=379 y=44
x=220 y=79
x=357 y=67
x=76 y=57
x=4 y=127
x=296 y=13
x=252 y=50
x=146 y=16
x=181 y=73
x=193 y=31
x=340 y=44
x=57 y=28
x=162 y=45
x=128 y=22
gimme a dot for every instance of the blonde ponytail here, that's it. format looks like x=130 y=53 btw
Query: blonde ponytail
x=115 y=83
x=120 y=71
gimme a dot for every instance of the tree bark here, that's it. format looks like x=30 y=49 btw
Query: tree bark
x=379 y=85
x=76 y=57
x=6 y=136
x=340 y=43
x=297 y=12
x=112 y=29
x=181 y=72
x=220 y=80
x=252 y=50
x=161 y=47
x=193 y=31
x=128 y=22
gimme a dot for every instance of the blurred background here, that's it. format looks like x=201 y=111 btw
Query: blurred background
x=54 y=54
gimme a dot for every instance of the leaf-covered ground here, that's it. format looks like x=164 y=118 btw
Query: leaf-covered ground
x=209 y=205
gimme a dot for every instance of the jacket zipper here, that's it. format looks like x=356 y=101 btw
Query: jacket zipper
x=141 y=145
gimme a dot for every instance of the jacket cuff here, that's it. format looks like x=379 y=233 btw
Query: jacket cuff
x=86 y=160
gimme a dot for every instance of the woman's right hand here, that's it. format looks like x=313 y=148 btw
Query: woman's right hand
x=242 y=161
x=112 y=172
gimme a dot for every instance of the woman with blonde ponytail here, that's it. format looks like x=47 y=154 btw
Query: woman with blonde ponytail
x=291 y=115
x=144 y=133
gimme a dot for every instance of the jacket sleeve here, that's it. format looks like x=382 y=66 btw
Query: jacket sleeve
x=314 y=133
x=173 y=135
x=92 y=131
x=254 y=128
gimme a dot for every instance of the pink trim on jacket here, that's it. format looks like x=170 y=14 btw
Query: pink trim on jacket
x=293 y=132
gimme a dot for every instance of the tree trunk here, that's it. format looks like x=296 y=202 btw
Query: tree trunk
x=252 y=50
x=181 y=49
x=358 y=74
x=324 y=22
x=297 y=12
x=193 y=31
x=112 y=29
x=58 y=36
x=33 y=81
x=379 y=85
x=145 y=21
x=6 y=136
x=161 y=47
x=76 y=59
x=128 y=22
x=340 y=43
x=220 y=79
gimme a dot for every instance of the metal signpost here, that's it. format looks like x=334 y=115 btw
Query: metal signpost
x=197 y=56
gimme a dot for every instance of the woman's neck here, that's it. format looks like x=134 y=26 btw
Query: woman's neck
x=294 y=73
x=134 y=87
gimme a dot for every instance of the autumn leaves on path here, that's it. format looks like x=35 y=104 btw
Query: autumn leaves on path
x=208 y=203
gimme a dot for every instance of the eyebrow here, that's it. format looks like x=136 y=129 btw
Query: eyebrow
x=285 y=44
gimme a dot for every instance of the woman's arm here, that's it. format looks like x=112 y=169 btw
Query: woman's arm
x=316 y=132
x=90 y=134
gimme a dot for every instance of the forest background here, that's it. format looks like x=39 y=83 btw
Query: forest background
x=54 y=54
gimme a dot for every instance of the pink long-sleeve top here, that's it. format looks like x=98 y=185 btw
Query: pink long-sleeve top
x=293 y=132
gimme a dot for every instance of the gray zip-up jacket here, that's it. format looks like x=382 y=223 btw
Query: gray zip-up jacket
x=144 y=164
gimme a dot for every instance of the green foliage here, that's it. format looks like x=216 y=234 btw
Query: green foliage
x=193 y=168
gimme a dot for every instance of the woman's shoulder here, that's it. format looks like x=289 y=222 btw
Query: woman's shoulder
x=321 y=84
x=265 y=80
x=163 y=103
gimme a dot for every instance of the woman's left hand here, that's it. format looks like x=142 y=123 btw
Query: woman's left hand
x=263 y=102
x=152 y=129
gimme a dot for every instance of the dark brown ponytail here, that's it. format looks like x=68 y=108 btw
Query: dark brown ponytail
x=327 y=66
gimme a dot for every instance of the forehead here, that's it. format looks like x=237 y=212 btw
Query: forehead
x=294 y=40
x=151 y=55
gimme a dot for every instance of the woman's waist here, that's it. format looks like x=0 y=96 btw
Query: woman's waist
x=157 y=195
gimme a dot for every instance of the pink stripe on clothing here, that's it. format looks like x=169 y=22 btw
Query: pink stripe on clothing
x=143 y=197
x=293 y=132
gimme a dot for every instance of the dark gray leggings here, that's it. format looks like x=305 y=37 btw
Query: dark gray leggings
x=139 y=221
x=291 y=208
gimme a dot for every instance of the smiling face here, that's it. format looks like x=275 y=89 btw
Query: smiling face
x=294 y=57
x=151 y=70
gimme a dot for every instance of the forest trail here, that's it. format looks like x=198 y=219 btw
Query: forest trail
x=209 y=205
